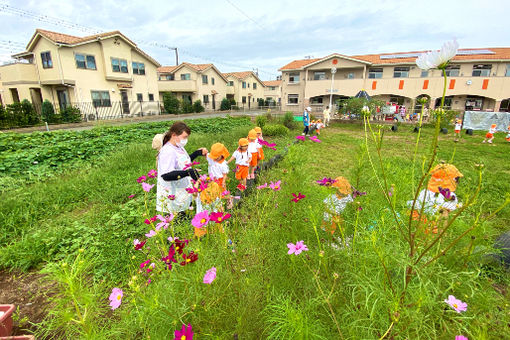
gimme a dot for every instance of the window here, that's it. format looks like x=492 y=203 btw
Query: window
x=185 y=76
x=482 y=70
x=119 y=65
x=293 y=78
x=317 y=100
x=46 y=60
x=350 y=75
x=85 y=61
x=254 y=86
x=401 y=72
x=452 y=70
x=100 y=98
x=204 y=79
x=507 y=73
x=212 y=81
x=170 y=77
x=139 y=97
x=206 y=99
x=293 y=99
x=374 y=73
x=248 y=85
x=272 y=88
x=244 y=84
x=424 y=73
x=474 y=103
x=244 y=99
x=138 y=68
x=319 y=75
x=151 y=97
x=230 y=83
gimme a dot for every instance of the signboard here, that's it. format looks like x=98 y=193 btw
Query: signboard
x=482 y=120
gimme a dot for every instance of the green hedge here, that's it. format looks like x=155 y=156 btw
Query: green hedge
x=275 y=130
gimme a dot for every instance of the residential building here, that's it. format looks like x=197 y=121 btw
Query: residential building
x=273 y=91
x=245 y=87
x=478 y=79
x=108 y=71
x=193 y=82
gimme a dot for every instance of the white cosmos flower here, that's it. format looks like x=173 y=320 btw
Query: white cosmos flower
x=438 y=59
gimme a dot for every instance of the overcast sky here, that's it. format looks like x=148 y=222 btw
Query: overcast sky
x=241 y=35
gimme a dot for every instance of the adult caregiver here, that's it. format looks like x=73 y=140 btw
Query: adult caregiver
x=174 y=170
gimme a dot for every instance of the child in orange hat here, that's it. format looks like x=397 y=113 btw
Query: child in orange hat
x=216 y=159
x=508 y=134
x=254 y=152
x=243 y=158
x=336 y=203
x=490 y=135
x=319 y=126
x=458 y=127
x=258 y=130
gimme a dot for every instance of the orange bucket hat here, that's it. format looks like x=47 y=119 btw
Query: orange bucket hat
x=443 y=175
x=493 y=126
x=252 y=134
x=243 y=142
x=343 y=186
x=258 y=129
x=217 y=150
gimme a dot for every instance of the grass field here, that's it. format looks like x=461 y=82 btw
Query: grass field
x=79 y=227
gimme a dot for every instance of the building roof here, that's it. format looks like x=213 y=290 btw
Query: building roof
x=167 y=69
x=197 y=67
x=71 y=40
x=272 y=82
x=239 y=75
x=498 y=53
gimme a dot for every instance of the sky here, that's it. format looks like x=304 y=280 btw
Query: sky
x=246 y=35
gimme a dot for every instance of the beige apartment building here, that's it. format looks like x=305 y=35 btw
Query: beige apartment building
x=273 y=91
x=102 y=74
x=191 y=82
x=245 y=87
x=478 y=79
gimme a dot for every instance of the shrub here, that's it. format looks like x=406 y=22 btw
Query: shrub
x=225 y=104
x=232 y=102
x=261 y=121
x=260 y=101
x=275 y=130
x=288 y=120
x=198 y=107
x=3 y=117
x=186 y=107
x=48 y=112
x=71 y=114
x=171 y=103
x=30 y=116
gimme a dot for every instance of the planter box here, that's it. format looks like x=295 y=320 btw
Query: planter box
x=18 y=337
x=6 y=319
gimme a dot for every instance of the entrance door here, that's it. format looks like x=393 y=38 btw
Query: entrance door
x=213 y=102
x=249 y=102
x=63 y=99
x=35 y=94
x=125 y=102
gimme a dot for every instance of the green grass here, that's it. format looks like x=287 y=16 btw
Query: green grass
x=260 y=291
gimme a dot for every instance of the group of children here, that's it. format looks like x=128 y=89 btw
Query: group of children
x=489 y=136
x=316 y=126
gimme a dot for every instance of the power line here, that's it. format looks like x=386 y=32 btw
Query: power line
x=246 y=15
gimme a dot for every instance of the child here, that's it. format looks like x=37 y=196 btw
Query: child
x=216 y=159
x=490 y=135
x=243 y=158
x=258 y=130
x=313 y=127
x=254 y=152
x=458 y=127
x=508 y=135
x=336 y=203
x=319 y=126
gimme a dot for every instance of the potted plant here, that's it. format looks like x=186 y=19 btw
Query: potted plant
x=6 y=319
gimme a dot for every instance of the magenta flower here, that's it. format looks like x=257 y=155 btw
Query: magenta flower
x=171 y=197
x=315 y=139
x=191 y=190
x=447 y=194
x=461 y=337
x=170 y=257
x=263 y=186
x=241 y=187
x=456 y=304
x=297 y=197
x=147 y=187
x=131 y=196
x=116 y=298
x=210 y=275
x=202 y=186
x=150 y=233
x=219 y=217
x=326 y=181
x=360 y=208
x=302 y=138
x=143 y=264
x=200 y=219
x=225 y=193
x=139 y=245
x=189 y=165
x=275 y=186
x=297 y=248
x=152 y=173
x=165 y=221
x=147 y=221
x=271 y=146
x=141 y=179
x=185 y=333
x=356 y=193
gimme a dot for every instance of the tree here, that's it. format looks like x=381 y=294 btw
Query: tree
x=197 y=106
x=171 y=103
x=48 y=112
x=225 y=104
x=186 y=106
x=29 y=115
x=260 y=101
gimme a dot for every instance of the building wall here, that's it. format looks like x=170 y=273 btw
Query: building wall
x=220 y=86
x=239 y=91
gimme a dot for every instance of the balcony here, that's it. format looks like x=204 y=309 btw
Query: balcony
x=19 y=73
x=345 y=87
x=177 y=86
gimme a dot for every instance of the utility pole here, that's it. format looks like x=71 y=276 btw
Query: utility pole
x=176 y=55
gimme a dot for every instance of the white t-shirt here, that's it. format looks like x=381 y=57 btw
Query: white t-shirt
x=224 y=168
x=458 y=126
x=320 y=126
x=242 y=158
x=433 y=202
x=492 y=130
x=215 y=168
x=252 y=147
x=335 y=205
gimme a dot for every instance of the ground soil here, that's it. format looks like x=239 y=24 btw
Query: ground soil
x=29 y=292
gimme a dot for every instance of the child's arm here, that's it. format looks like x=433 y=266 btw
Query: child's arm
x=230 y=160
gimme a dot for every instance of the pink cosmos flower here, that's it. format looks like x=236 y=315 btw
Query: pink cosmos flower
x=131 y=196
x=461 y=337
x=326 y=181
x=297 y=248
x=147 y=187
x=241 y=187
x=141 y=179
x=315 y=139
x=189 y=165
x=171 y=197
x=297 y=197
x=263 y=186
x=302 y=138
x=147 y=221
x=143 y=264
x=202 y=186
x=191 y=190
x=225 y=193
x=210 y=275
x=150 y=233
x=275 y=186
x=139 y=245
x=152 y=173
x=150 y=267
x=116 y=298
x=186 y=333
x=456 y=304
x=200 y=219
x=165 y=221
x=219 y=217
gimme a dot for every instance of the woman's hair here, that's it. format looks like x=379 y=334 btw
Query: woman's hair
x=177 y=128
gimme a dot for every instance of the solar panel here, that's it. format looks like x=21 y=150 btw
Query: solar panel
x=472 y=52
x=416 y=55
